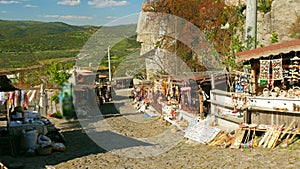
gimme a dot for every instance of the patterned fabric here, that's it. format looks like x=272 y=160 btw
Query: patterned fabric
x=264 y=70
x=277 y=71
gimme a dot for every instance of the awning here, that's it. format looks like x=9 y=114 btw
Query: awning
x=272 y=50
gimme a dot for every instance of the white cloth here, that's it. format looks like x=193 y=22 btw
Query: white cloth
x=2 y=98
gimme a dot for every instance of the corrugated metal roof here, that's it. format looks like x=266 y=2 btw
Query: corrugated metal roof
x=276 y=49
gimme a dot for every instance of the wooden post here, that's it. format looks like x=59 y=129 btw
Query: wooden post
x=212 y=81
x=8 y=108
x=253 y=81
x=201 y=107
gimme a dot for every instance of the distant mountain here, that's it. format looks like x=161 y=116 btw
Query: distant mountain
x=21 y=29
x=29 y=43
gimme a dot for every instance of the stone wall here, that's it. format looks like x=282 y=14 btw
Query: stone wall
x=280 y=19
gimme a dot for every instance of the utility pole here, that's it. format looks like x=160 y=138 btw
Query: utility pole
x=251 y=22
x=109 y=69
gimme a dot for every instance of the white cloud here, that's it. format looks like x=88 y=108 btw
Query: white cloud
x=111 y=17
x=8 y=2
x=69 y=2
x=106 y=3
x=51 y=16
x=68 y=17
x=3 y=11
x=30 y=6
x=75 y=17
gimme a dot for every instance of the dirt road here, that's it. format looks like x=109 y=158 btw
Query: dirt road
x=127 y=139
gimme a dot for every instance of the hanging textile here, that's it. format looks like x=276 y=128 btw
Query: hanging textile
x=264 y=70
x=11 y=99
x=2 y=98
x=17 y=100
x=25 y=100
x=277 y=71
x=32 y=96
x=22 y=97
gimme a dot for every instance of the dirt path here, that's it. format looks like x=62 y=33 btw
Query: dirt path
x=128 y=140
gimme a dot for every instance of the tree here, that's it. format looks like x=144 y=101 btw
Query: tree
x=58 y=74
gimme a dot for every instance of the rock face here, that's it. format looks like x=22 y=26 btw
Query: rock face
x=151 y=31
x=283 y=20
x=283 y=14
x=158 y=34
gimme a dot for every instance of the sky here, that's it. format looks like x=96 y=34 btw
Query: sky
x=73 y=12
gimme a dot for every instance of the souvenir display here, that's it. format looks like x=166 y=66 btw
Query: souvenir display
x=277 y=71
x=264 y=70
x=242 y=84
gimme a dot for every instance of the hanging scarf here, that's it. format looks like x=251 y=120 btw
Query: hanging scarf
x=11 y=99
x=25 y=100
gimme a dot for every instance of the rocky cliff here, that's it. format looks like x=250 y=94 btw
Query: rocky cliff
x=282 y=20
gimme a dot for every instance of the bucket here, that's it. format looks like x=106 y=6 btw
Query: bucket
x=29 y=139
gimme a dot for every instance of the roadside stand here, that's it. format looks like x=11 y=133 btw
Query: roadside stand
x=263 y=107
x=23 y=131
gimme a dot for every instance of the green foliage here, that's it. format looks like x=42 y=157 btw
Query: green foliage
x=21 y=29
x=235 y=47
x=274 y=38
x=34 y=43
x=55 y=97
x=32 y=78
x=58 y=74
x=264 y=5
x=58 y=115
x=120 y=52
x=26 y=59
x=142 y=75
x=26 y=44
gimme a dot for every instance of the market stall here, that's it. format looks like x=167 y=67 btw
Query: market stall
x=24 y=129
x=275 y=71
x=265 y=92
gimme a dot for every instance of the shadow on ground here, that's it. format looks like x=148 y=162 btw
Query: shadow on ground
x=78 y=143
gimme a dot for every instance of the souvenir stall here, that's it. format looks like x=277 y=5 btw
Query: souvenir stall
x=180 y=97
x=229 y=102
x=274 y=97
x=25 y=129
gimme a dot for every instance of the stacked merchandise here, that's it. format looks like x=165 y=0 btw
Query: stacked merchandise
x=242 y=84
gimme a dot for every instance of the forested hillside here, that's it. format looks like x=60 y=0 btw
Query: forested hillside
x=20 y=29
x=30 y=43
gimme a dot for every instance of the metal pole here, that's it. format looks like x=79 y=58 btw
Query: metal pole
x=109 y=69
